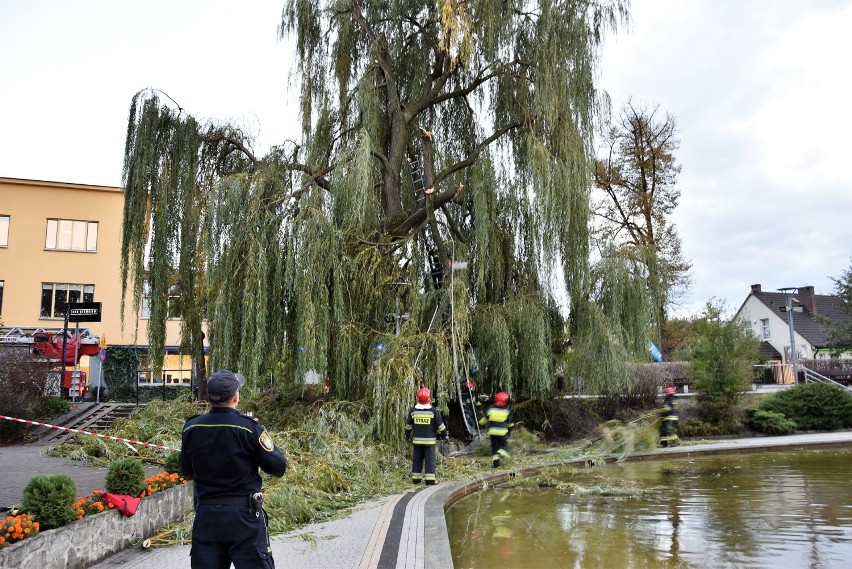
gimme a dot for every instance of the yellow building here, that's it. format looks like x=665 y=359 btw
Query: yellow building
x=61 y=243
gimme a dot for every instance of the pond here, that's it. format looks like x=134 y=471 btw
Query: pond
x=774 y=509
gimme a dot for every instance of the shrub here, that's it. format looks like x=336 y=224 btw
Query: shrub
x=172 y=463
x=48 y=500
x=126 y=476
x=813 y=406
x=697 y=428
x=721 y=365
x=56 y=406
x=770 y=422
x=16 y=528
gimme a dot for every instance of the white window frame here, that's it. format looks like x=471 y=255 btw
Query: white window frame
x=145 y=305
x=764 y=326
x=71 y=235
x=82 y=292
x=5 y=222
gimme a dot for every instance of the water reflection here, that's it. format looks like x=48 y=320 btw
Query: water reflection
x=753 y=510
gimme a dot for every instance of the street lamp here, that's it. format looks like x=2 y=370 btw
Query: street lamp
x=788 y=308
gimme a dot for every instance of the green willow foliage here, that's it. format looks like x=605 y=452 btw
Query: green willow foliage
x=296 y=258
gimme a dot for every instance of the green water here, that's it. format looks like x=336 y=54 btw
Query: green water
x=784 y=510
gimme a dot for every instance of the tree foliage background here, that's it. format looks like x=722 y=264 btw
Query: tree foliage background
x=636 y=174
x=723 y=353
x=295 y=258
x=841 y=330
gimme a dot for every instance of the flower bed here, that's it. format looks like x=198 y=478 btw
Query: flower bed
x=16 y=528
x=96 y=536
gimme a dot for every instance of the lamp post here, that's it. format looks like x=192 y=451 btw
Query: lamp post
x=788 y=291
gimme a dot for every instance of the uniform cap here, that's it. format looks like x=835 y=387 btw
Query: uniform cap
x=223 y=384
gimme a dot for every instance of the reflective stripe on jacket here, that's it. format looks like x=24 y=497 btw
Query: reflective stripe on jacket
x=498 y=419
x=425 y=424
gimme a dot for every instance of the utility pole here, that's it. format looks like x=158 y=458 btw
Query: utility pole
x=794 y=357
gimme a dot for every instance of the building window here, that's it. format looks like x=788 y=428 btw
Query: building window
x=4 y=230
x=174 y=301
x=71 y=235
x=55 y=297
x=764 y=325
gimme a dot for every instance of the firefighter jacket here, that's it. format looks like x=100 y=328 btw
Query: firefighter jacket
x=669 y=411
x=424 y=424
x=498 y=419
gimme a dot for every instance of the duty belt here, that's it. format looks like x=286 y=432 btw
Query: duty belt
x=224 y=501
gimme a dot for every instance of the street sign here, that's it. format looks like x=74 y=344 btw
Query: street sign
x=102 y=354
x=84 y=312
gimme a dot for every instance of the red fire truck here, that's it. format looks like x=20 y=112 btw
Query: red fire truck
x=47 y=342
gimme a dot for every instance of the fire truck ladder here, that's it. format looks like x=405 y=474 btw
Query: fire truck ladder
x=24 y=334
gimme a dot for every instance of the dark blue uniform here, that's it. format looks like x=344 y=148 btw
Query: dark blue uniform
x=422 y=428
x=499 y=422
x=221 y=453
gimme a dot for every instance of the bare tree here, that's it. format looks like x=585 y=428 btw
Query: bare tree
x=636 y=174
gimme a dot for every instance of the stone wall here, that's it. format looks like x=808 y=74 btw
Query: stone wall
x=85 y=542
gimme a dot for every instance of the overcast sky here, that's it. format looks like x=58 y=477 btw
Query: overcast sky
x=759 y=88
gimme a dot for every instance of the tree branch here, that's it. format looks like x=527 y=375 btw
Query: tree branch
x=421 y=214
x=238 y=144
x=471 y=158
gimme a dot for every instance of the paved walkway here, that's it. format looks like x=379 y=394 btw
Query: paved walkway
x=385 y=534
x=18 y=464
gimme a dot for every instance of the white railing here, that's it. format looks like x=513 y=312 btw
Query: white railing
x=812 y=376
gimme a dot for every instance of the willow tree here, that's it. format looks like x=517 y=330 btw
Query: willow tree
x=433 y=133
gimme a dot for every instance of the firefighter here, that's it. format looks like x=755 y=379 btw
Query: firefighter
x=668 y=418
x=498 y=417
x=422 y=428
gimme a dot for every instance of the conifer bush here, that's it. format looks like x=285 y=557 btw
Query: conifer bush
x=126 y=476
x=770 y=422
x=813 y=406
x=49 y=500
x=172 y=463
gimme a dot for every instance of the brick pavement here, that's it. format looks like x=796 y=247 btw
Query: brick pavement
x=20 y=463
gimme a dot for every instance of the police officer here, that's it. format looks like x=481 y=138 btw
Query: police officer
x=498 y=417
x=221 y=452
x=422 y=427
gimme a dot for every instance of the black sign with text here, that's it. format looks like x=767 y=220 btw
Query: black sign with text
x=84 y=312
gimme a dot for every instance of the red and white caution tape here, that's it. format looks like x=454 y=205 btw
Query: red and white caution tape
x=82 y=432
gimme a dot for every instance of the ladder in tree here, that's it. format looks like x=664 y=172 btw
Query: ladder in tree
x=436 y=268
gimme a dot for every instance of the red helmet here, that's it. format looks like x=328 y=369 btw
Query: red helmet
x=669 y=391
x=501 y=399
x=424 y=396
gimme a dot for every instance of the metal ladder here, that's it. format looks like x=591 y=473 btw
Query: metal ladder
x=436 y=268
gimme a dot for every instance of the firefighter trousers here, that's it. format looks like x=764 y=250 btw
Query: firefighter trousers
x=423 y=464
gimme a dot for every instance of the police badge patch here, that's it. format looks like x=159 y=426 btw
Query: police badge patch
x=266 y=441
